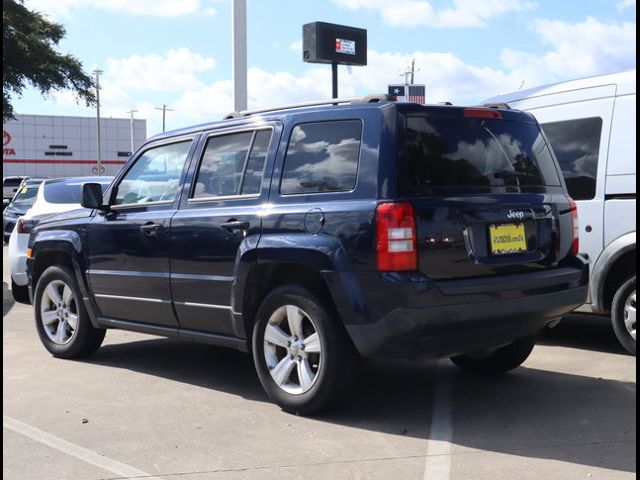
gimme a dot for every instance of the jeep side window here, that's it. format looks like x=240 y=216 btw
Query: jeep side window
x=232 y=165
x=322 y=157
x=155 y=175
x=576 y=144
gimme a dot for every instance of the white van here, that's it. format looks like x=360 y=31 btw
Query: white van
x=591 y=125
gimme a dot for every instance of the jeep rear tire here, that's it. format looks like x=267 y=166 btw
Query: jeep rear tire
x=61 y=319
x=301 y=352
x=499 y=360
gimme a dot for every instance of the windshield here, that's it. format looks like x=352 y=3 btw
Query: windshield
x=67 y=191
x=449 y=152
x=26 y=196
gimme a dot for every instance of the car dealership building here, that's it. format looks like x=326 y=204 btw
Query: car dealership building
x=60 y=146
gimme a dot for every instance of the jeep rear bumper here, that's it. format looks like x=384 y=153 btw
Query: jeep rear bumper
x=456 y=317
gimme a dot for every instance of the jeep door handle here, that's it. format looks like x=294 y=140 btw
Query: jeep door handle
x=234 y=225
x=150 y=229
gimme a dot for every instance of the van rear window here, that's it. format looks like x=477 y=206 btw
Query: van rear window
x=439 y=152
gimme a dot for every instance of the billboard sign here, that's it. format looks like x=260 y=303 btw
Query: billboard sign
x=330 y=43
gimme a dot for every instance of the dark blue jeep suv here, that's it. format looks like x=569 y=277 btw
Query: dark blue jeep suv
x=312 y=236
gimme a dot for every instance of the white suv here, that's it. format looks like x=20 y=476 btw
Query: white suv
x=591 y=125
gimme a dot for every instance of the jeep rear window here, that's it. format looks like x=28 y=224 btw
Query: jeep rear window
x=322 y=157
x=439 y=152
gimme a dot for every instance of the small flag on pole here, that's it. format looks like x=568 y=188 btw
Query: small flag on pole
x=416 y=94
x=397 y=92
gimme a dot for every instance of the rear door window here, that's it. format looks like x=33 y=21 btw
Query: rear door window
x=446 y=152
x=576 y=144
x=232 y=165
x=322 y=157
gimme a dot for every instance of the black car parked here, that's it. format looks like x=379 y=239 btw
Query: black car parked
x=313 y=236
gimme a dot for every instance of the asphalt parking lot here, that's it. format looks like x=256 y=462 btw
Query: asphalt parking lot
x=145 y=407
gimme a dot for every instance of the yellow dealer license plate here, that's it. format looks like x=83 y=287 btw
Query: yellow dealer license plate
x=507 y=239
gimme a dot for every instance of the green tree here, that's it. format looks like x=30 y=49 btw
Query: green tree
x=29 y=57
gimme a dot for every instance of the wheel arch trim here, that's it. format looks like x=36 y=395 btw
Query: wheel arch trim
x=602 y=267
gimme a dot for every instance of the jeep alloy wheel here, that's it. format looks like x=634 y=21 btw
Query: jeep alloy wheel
x=59 y=312
x=292 y=349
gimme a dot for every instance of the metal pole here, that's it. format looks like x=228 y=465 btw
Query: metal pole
x=97 y=73
x=164 y=109
x=131 y=128
x=334 y=79
x=239 y=54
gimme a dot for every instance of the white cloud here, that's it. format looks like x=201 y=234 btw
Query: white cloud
x=159 y=8
x=626 y=4
x=461 y=13
x=579 y=49
x=175 y=70
x=296 y=46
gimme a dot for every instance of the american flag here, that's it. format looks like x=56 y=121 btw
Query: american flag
x=416 y=94
x=396 y=92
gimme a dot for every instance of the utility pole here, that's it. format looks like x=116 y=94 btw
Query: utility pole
x=97 y=73
x=164 y=109
x=239 y=54
x=131 y=112
x=413 y=69
x=409 y=73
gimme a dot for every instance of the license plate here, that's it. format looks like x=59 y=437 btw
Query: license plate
x=507 y=239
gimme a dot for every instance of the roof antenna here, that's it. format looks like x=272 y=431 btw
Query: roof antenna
x=521 y=85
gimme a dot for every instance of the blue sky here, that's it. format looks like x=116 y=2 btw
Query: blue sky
x=177 y=52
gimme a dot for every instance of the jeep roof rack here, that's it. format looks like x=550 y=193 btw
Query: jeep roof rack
x=377 y=98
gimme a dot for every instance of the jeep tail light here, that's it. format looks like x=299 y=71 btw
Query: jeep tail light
x=25 y=226
x=575 y=226
x=396 y=237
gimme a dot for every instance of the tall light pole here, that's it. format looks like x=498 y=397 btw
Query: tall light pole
x=239 y=54
x=131 y=112
x=97 y=72
x=164 y=109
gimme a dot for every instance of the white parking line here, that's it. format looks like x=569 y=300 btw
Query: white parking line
x=74 y=450
x=438 y=460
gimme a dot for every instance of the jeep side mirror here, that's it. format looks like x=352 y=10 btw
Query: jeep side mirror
x=92 y=197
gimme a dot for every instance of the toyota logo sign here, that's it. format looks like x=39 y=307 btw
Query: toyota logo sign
x=6 y=138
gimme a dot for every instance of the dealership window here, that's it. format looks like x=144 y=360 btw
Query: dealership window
x=322 y=157
x=232 y=165
x=155 y=175
x=576 y=144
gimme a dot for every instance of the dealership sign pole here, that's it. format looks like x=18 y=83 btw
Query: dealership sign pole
x=239 y=54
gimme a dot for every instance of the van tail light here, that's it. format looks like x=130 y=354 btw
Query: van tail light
x=575 y=226
x=25 y=226
x=396 y=247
